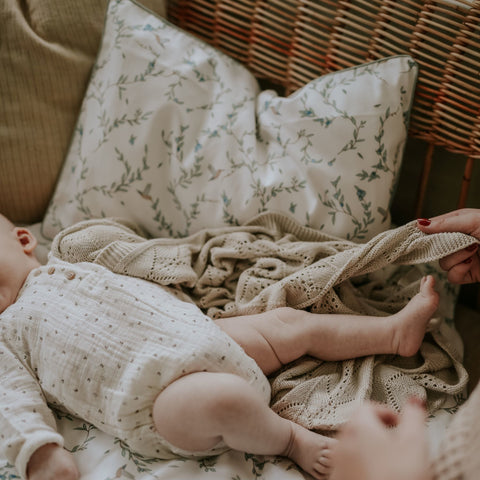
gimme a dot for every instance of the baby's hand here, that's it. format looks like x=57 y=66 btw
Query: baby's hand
x=52 y=462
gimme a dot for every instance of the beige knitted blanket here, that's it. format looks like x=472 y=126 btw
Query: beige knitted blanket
x=273 y=261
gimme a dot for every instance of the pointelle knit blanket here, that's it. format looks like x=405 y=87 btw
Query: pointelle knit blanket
x=271 y=262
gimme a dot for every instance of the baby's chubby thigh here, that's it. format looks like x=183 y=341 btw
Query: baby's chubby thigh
x=193 y=413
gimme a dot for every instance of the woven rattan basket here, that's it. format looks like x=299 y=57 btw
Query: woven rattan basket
x=290 y=42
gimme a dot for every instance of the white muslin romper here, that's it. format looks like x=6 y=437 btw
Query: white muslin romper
x=102 y=346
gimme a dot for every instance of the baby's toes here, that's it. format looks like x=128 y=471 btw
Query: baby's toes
x=323 y=465
x=326 y=459
x=321 y=468
x=320 y=473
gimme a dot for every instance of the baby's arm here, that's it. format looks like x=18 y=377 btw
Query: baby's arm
x=26 y=422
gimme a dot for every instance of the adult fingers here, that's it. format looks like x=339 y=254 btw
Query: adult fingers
x=467 y=271
x=413 y=417
x=456 y=258
x=384 y=414
x=368 y=416
x=466 y=220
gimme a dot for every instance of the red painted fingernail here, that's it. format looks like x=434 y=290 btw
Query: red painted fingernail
x=471 y=248
x=424 y=222
x=391 y=422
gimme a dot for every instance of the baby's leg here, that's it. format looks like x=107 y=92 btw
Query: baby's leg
x=199 y=410
x=279 y=336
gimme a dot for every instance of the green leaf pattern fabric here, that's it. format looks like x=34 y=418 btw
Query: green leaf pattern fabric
x=177 y=136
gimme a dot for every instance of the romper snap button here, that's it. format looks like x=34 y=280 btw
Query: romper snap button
x=70 y=275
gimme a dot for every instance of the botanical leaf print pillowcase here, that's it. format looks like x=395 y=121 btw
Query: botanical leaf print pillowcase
x=176 y=136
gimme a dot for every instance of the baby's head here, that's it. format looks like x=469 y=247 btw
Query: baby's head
x=17 y=260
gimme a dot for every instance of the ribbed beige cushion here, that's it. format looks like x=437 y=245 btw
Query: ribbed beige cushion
x=47 y=49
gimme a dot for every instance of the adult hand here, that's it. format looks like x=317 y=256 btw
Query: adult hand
x=52 y=462
x=462 y=266
x=370 y=449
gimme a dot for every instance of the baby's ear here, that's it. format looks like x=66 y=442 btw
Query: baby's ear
x=26 y=239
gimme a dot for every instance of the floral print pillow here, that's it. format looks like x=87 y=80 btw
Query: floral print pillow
x=176 y=136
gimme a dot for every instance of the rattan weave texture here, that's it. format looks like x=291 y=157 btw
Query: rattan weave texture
x=290 y=42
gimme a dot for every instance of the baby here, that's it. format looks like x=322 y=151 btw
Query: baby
x=117 y=351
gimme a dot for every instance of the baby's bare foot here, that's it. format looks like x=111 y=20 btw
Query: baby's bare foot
x=311 y=451
x=412 y=320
